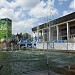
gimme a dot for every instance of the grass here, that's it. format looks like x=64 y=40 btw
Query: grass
x=3 y=55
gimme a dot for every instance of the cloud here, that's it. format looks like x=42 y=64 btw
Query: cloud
x=6 y=4
x=72 y=8
x=43 y=9
x=24 y=25
x=72 y=5
x=11 y=14
x=25 y=14
x=67 y=12
x=24 y=4
x=27 y=4
x=18 y=24
x=39 y=8
x=62 y=1
x=4 y=13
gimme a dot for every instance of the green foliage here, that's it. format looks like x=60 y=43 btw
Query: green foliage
x=25 y=35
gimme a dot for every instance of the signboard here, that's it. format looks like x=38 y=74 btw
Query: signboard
x=2 y=33
x=5 y=28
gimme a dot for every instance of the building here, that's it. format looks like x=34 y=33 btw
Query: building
x=62 y=28
x=5 y=28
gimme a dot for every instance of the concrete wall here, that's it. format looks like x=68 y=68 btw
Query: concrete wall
x=57 y=46
x=39 y=46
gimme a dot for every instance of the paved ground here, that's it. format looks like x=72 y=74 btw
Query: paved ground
x=44 y=73
x=32 y=62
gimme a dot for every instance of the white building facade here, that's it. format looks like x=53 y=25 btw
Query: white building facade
x=57 y=34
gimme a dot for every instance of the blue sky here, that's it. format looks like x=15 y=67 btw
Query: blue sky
x=26 y=14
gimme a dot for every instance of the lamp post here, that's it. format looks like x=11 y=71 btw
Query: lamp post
x=47 y=39
x=47 y=20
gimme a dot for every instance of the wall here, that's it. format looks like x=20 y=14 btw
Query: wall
x=57 y=46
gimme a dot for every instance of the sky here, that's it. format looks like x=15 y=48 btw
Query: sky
x=26 y=14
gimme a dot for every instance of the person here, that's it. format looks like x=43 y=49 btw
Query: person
x=4 y=43
x=12 y=46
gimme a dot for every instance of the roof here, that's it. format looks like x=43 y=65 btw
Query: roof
x=5 y=19
x=65 y=18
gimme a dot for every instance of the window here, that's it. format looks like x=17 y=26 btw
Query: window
x=64 y=38
x=63 y=32
x=72 y=30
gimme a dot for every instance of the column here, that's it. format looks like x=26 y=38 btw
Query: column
x=49 y=34
x=34 y=34
x=38 y=33
x=43 y=37
x=68 y=31
x=57 y=32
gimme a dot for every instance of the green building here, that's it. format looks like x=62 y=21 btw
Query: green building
x=5 y=28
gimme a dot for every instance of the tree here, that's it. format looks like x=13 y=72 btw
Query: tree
x=25 y=35
x=20 y=36
x=28 y=36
